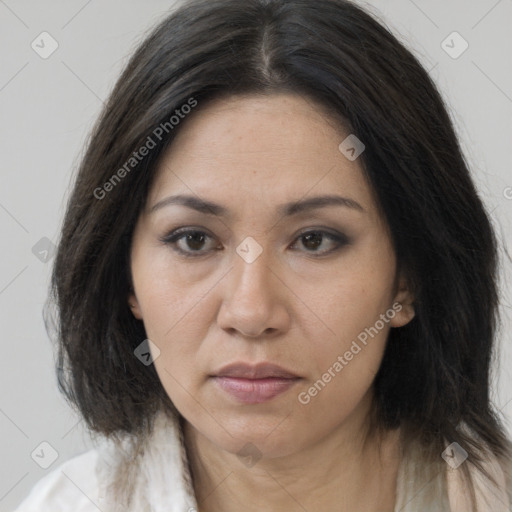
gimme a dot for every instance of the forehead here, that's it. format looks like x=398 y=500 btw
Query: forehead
x=268 y=149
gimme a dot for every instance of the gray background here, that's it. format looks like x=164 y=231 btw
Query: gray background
x=47 y=109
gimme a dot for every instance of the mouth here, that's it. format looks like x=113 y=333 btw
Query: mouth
x=253 y=384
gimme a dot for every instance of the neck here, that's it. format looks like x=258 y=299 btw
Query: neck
x=342 y=473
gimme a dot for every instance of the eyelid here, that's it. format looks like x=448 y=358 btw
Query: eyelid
x=328 y=231
x=340 y=239
x=173 y=236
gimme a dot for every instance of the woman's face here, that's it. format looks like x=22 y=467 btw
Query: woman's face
x=309 y=288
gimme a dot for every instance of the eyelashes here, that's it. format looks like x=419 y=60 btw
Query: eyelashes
x=194 y=236
x=188 y=242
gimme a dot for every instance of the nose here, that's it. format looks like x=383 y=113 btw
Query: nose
x=254 y=299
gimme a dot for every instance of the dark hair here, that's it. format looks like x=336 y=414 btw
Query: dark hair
x=435 y=372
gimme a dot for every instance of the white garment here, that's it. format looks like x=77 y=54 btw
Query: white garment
x=160 y=481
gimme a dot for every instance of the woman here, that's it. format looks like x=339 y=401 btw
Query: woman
x=276 y=283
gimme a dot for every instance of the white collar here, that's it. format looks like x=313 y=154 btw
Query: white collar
x=157 y=478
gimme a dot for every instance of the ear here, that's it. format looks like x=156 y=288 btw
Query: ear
x=133 y=303
x=403 y=305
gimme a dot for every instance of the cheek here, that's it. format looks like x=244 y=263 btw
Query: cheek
x=354 y=297
x=176 y=324
x=355 y=308
x=172 y=307
x=345 y=373
x=169 y=294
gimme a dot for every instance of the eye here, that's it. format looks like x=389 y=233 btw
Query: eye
x=315 y=238
x=191 y=242
x=193 y=239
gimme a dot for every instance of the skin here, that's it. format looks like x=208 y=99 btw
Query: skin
x=296 y=305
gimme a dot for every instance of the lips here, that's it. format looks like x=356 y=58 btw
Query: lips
x=253 y=384
x=258 y=371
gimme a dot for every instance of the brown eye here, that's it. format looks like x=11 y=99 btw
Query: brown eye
x=312 y=240
x=188 y=241
x=192 y=242
x=195 y=240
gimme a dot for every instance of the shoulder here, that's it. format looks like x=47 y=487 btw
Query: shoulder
x=71 y=486
x=494 y=494
x=504 y=470
x=441 y=483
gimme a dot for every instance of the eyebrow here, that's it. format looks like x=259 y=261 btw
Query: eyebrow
x=283 y=210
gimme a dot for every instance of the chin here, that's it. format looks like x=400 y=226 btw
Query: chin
x=268 y=437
